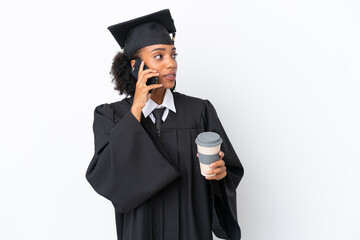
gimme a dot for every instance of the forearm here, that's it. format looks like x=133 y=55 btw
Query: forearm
x=136 y=111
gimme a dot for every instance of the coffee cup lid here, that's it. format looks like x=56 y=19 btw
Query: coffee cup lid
x=208 y=139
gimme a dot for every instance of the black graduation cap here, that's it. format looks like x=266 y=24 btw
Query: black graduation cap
x=144 y=31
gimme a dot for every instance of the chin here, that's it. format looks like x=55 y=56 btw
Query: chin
x=170 y=85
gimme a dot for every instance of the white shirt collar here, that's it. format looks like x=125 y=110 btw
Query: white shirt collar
x=168 y=102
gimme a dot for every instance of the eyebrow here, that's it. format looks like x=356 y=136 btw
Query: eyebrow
x=163 y=49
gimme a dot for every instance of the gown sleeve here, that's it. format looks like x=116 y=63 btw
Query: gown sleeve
x=126 y=167
x=223 y=192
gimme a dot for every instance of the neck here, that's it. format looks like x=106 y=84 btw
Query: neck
x=158 y=95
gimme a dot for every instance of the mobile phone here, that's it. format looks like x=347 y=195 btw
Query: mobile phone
x=135 y=72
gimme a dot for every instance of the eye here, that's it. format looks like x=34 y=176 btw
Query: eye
x=158 y=56
x=174 y=55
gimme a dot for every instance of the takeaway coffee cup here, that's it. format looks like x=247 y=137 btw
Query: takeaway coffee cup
x=208 y=145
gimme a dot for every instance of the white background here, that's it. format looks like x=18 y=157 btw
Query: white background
x=283 y=76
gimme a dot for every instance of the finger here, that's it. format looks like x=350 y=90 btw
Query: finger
x=153 y=86
x=146 y=71
x=150 y=74
x=220 y=176
x=147 y=75
x=141 y=68
x=221 y=154
x=142 y=71
x=217 y=176
x=217 y=163
x=216 y=170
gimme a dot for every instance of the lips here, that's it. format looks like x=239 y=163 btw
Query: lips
x=170 y=76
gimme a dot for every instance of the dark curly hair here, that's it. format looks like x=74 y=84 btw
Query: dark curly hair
x=124 y=82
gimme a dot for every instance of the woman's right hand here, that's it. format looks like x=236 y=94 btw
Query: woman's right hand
x=142 y=94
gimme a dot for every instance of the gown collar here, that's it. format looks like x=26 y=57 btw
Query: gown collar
x=168 y=102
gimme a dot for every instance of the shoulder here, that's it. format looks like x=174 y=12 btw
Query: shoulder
x=186 y=98
x=114 y=110
x=181 y=98
x=196 y=103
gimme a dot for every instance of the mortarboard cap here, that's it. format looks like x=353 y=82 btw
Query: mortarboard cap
x=144 y=31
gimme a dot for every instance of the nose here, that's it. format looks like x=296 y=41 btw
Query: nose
x=171 y=63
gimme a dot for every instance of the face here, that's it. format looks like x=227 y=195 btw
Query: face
x=162 y=58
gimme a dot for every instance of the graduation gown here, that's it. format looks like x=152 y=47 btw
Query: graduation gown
x=154 y=182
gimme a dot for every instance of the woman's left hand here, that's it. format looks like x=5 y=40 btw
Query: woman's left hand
x=218 y=168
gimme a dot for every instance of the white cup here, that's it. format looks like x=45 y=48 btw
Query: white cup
x=208 y=146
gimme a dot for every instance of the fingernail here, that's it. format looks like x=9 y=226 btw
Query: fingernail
x=211 y=165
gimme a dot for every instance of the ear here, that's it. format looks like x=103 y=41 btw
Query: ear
x=132 y=63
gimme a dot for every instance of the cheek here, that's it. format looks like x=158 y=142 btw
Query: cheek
x=153 y=64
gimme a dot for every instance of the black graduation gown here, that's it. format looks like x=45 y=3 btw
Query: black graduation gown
x=154 y=182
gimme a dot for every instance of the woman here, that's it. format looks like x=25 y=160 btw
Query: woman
x=145 y=159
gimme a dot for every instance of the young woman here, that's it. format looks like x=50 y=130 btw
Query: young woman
x=145 y=159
